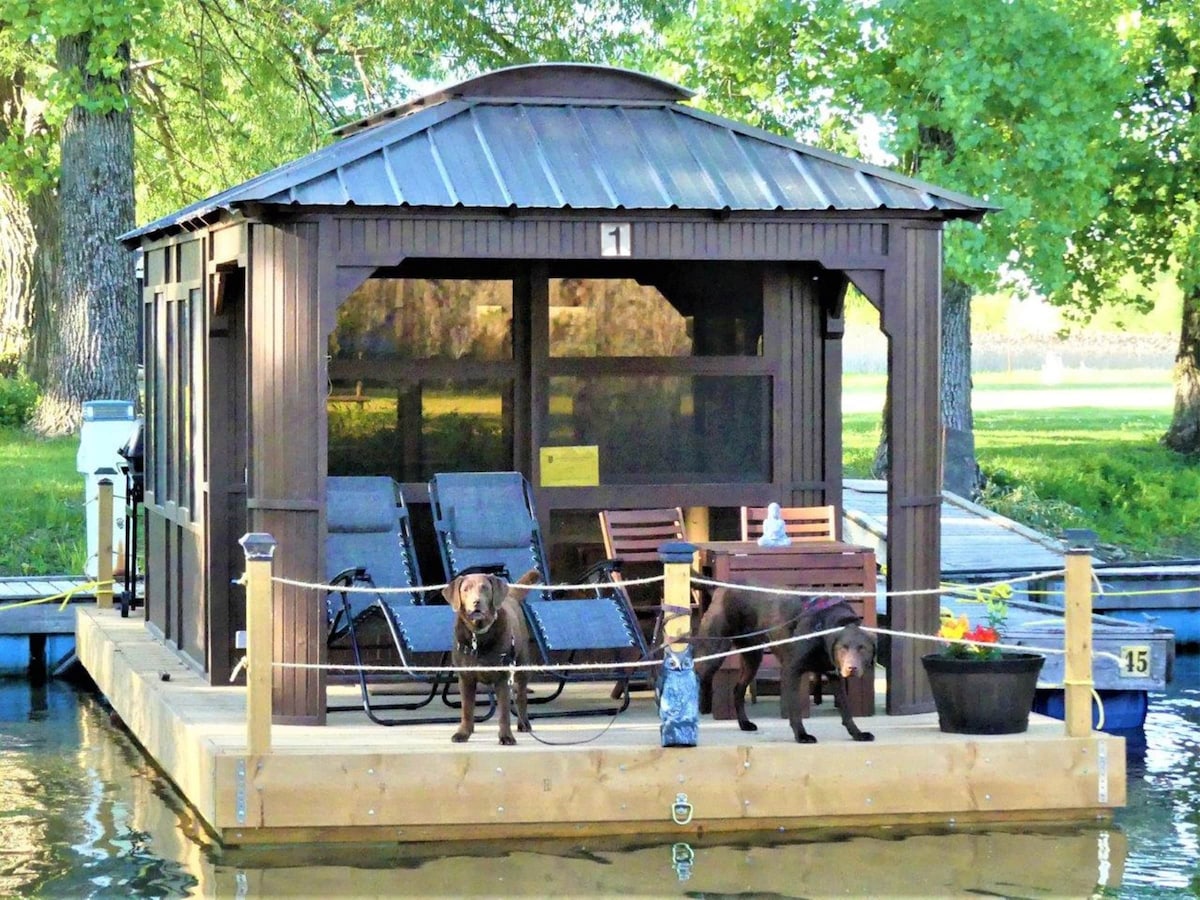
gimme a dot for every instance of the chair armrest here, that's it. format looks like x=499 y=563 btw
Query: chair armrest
x=602 y=572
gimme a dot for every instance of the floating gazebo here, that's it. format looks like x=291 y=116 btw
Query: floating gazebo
x=551 y=257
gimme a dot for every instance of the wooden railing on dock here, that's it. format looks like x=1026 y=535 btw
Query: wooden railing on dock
x=260 y=548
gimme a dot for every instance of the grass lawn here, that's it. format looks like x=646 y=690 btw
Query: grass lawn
x=41 y=506
x=1098 y=468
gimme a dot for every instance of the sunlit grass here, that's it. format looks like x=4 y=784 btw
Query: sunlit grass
x=41 y=506
x=1102 y=469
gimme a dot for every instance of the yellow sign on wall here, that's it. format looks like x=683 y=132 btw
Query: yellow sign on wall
x=570 y=466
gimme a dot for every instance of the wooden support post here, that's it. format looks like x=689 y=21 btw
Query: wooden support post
x=104 y=551
x=260 y=550
x=679 y=698
x=696 y=523
x=1077 y=668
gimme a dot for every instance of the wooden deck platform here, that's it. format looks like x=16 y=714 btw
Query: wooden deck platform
x=974 y=538
x=40 y=618
x=354 y=781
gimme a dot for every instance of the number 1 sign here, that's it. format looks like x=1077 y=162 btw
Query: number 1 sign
x=614 y=239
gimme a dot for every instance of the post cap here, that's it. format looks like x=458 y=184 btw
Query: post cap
x=1079 y=538
x=258 y=546
x=676 y=552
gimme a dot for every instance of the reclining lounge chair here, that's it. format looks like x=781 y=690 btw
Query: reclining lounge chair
x=488 y=519
x=369 y=544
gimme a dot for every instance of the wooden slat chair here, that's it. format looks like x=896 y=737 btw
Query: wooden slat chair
x=802 y=523
x=632 y=537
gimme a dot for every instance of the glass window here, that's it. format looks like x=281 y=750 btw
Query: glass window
x=657 y=429
x=199 y=454
x=184 y=408
x=592 y=317
x=153 y=389
x=413 y=318
x=419 y=428
x=166 y=381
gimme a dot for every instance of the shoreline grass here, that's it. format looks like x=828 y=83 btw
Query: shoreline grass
x=41 y=505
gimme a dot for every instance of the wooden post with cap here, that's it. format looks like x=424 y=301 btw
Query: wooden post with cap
x=104 y=543
x=260 y=551
x=1077 y=637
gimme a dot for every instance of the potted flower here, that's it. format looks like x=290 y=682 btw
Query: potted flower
x=979 y=687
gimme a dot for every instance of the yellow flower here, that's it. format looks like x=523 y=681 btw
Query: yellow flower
x=953 y=628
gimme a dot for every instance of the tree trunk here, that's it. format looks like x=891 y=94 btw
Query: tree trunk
x=1183 y=436
x=93 y=350
x=960 y=473
x=17 y=248
x=43 y=212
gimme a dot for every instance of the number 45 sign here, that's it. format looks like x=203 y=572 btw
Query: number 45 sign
x=1135 y=661
x=614 y=239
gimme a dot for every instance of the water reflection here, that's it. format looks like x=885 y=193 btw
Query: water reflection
x=82 y=814
x=1045 y=862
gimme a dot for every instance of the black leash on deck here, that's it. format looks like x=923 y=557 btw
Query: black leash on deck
x=646 y=657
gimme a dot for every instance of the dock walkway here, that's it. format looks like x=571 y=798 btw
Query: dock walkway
x=974 y=539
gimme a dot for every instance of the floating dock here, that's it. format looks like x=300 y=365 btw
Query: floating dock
x=354 y=781
x=1151 y=594
x=39 y=634
x=1134 y=655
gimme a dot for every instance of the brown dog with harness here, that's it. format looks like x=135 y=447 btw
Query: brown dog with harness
x=743 y=619
x=489 y=630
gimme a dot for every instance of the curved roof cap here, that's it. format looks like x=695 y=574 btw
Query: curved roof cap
x=565 y=136
x=540 y=81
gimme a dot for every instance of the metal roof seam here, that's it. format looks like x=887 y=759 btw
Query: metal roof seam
x=390 y=171
x=651 y=168
x=765 y=183
x=600 y=174
x=868 y=186
x=810 y=178
x=677 y=124
x=455 y=200
x=486 y=149
x=540 y=154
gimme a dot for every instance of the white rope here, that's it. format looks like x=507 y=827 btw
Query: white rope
x=326 y=587
x=917 y=592
x=1023 y=648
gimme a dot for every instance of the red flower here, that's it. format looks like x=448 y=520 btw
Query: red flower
x=983 y=634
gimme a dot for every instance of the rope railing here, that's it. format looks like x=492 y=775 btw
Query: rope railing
x=678 y=579
x=326 y=587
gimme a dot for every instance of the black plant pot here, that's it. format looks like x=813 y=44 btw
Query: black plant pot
x=976 y=696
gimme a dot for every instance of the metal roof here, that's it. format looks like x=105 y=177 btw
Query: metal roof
x=562 y=136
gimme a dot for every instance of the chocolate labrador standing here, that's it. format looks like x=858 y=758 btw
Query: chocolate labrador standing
x=489 y=630
x=744 y=619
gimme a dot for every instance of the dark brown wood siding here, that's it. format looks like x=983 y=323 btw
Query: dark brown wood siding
x=382 y=241
x=912 y=322
x=286 y=468
x=176 y=320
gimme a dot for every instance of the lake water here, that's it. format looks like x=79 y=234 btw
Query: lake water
x=82 y=814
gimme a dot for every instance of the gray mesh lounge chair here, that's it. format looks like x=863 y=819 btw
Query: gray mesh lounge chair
x=369 y=543
x=488 y=519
